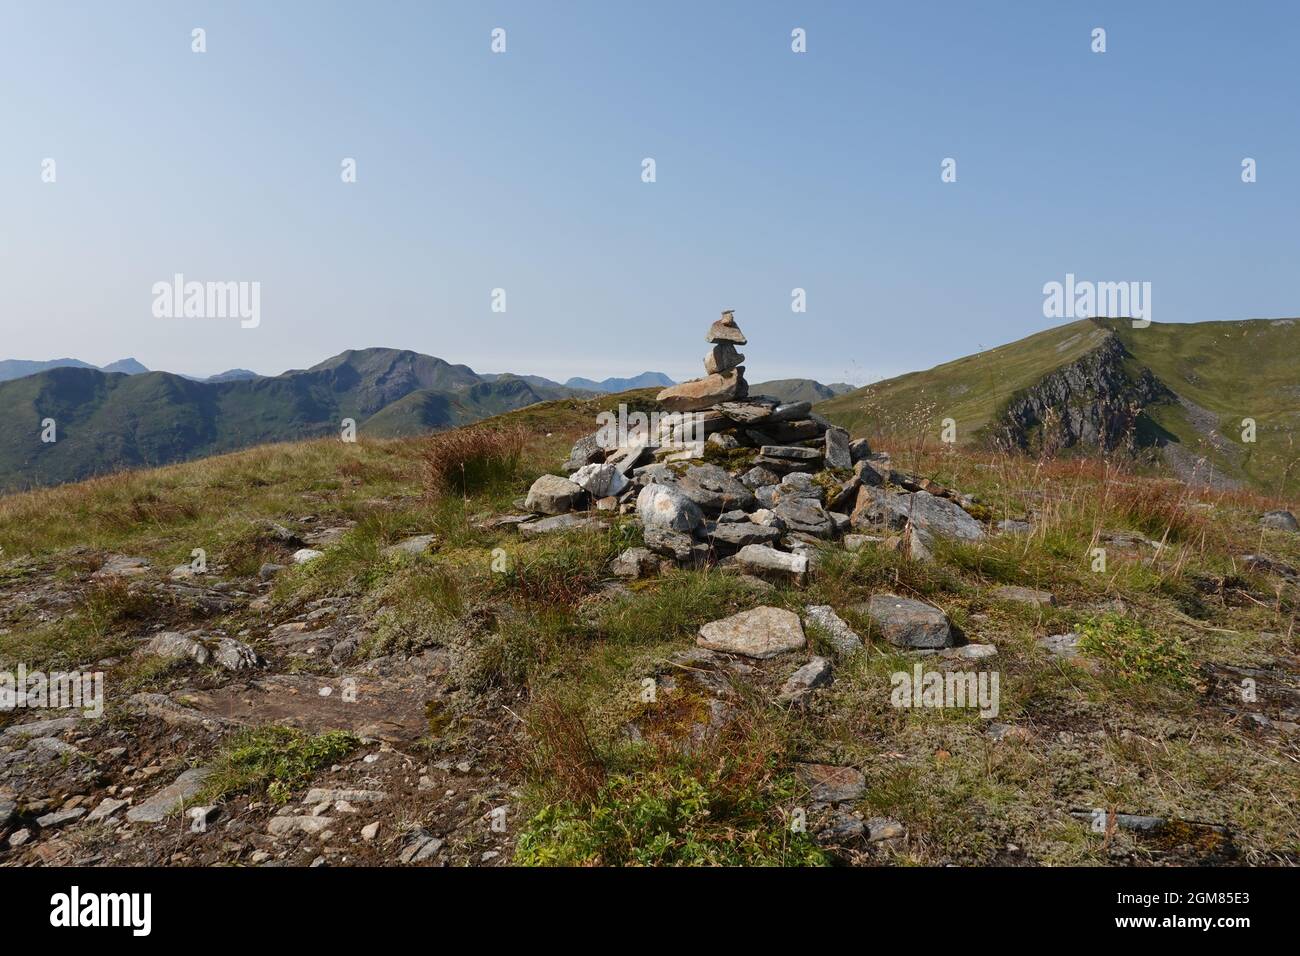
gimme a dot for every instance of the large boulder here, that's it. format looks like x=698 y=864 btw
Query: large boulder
x=666 y=507
x=553 y=495
x=761 y=632
x=907 y=623
x=939 y=516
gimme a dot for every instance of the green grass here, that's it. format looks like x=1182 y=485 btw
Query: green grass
x=275 y=761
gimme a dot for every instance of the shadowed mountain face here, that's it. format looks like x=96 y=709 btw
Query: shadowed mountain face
x=103 y=422
x=1186 y=395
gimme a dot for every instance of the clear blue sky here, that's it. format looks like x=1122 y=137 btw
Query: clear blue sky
x=523 y=171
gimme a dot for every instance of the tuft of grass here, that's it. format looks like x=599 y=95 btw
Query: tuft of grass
x=275 y=761
x=467 y=461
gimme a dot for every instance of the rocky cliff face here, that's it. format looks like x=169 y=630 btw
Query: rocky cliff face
x=1094 y=401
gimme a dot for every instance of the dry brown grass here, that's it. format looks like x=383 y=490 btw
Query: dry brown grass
x=467 y=460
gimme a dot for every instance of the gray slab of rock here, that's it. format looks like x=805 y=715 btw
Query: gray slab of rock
x=553 y=495
x=766 y=561
x=758 y=477
x=790 y=452
x=284 y=825
x=170 y=798
x=816 y=673
x=106 y=808
x=761 y=633
x=332 y=795
x=566 y=522
x=830 y=784
x=414 y=545
x=306 y=555
x=1021 y=595
x=599 y=481
x=856 y=542
x=677 y=545
x=635 y=563
x=904 y=622
x=837 y=452
x=842 y=638
x=747 y=412
x=7 y=809
x=714 y=490
x=859 y=449
x=59 y=818
x=1280 y=521
x=585 y=451
x=666 y=507
x=39 y=728
x=1015 y=526
x=790 y=411
x=1061 y=645
x=225 y=652
x=627 y=460
x=731 y=536
x=806 y=515
x=970 y=652
x=881 y=829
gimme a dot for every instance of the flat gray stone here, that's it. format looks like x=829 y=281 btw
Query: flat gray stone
x=553 y=495
x=907 y=623
x=566 y=522
x=667 y=507
x=1279 y=521
x=760 y=633
x=766 y=561
x=830 y=784
x=1019 y=595
x=816 y=673
x=415 y=545
x=842 y=638
x=170 y=798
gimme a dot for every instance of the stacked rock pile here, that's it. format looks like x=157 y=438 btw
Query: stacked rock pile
x=766 y=485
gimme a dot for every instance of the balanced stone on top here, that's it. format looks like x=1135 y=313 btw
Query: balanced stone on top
x=726 y=330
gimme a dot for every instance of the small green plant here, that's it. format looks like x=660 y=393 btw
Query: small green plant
x=1135 y=651
x=274 y=760
x=666 y=816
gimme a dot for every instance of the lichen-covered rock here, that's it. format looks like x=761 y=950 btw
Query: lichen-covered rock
x=553 y=495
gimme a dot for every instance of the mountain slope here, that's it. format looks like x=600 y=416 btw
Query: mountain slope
x=106 y=422
x=1176 y=393
x=798 y=389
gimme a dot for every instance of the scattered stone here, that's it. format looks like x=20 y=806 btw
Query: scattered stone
x=304 y=555
x=225 y=652
x=284 y=825
x=733 y=535
x=970 y=652
x=765 y=561
x=553 y=495
x=635 y=563
x=416 y=545
x=1062 y=645
x=829 y=784
x=907 y=623
x=1021 y=595
x=882 y=829
x=59 y=817
x=19 y=838
x=332 y=795
x=121 y=566
x=268 y=571
x=761 y=632
x=420 y=845
x=566 y=522
x=1015 y=526
x=759 y=477
x=169 y=798
x=202 y=817
x=856 y=542
x=39 y=728
x=106 y=808
x=370 y=831
x=842 y=638
x=1280 y=521
x=816 y=673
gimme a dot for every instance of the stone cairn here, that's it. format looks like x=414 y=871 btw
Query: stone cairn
x=767 y=486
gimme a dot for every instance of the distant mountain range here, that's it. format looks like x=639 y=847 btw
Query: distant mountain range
x=124 y=416
x=105 y=422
